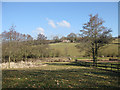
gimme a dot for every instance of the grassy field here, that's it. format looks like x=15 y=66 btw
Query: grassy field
x=111 y=49
x=59 y=75
x=70 y=49
x=67 y=49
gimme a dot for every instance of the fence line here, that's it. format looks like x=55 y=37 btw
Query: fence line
x=106 y=66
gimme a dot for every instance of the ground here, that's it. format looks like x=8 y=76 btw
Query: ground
x=59 y=75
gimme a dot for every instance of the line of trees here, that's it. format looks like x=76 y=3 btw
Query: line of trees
x=17 y=46
x=72 y=37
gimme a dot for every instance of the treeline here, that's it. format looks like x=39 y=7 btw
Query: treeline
x=72 y=37
x=17 y=46
x=75 y=38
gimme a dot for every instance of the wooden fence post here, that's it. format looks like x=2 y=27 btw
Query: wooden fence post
x=111 y=67
x=118 y=67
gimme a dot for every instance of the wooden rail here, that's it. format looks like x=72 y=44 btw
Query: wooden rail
x=106 y=66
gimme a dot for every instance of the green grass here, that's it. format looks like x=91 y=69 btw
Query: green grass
x=67 y=49
x=111 y=49
x=59 y=75
x=70 y=49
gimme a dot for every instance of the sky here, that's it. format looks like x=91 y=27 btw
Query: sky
x=56 y=18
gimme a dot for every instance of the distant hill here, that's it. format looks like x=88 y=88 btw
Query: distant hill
x=69 y=49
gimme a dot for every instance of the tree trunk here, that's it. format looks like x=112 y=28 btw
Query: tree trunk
x=14 y=60
x=42 y=55
x=93 y=56
x=93 y=53
x=9 y=62
x=96 y=53
x=26 y=56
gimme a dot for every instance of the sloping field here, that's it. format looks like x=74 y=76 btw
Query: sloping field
x=109 y=50
x=68 y=49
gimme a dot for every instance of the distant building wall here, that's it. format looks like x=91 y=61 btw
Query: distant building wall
x=67 y=41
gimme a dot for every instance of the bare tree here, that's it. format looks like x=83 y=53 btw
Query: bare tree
x=56 y=39
x=96 y=35
x=72 y=37
x=41 y=37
